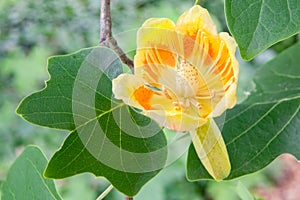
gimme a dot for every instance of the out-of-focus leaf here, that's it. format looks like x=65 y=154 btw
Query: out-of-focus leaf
x=266 y=124
x=257 y=24
x=107 y=137
x=243 y=192
x=25 y=178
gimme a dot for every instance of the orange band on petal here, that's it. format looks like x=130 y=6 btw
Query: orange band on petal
x=155 y=55
x=222 y=58
x=143 y=96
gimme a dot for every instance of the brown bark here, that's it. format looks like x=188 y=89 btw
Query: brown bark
x=106 y=38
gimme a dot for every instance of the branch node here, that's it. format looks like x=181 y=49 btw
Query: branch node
x=106 y=38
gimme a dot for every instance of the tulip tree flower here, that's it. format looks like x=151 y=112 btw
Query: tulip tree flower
x=184 y=75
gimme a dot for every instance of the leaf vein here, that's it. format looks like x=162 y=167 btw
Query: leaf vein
x=41 y=178
x=272 y=139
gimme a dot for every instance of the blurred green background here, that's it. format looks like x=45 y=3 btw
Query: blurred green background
x=32 y=30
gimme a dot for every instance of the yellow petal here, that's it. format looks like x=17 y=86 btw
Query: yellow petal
x=231 y=46
x=154 y=48
x=227 y=101
x=212 y=54
x=195 y=19
x=154 y=33
x=211 y=150
x=134 y=91
x=176 y=120
x=214 y=57
x=124 y=86
x=189 y=26
x=229 y=76
x=219 y=60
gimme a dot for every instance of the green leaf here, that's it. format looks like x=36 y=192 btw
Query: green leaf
x=107 y=137
x=266 y=124
x=257 y=24
x=25 y=178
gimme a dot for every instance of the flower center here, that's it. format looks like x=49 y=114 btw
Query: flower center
x=188 y=84
x=189 y=78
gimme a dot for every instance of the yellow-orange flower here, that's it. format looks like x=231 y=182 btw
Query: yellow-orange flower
x=185 y=74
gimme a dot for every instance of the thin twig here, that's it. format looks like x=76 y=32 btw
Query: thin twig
x=105 y=192
x=105 y=23
x=120 y=52
x=106 y=37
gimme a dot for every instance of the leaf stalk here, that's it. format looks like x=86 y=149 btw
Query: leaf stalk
x=105 y=193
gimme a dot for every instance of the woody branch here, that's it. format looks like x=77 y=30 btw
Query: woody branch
x=106 y=37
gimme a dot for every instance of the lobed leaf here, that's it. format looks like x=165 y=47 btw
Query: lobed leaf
x=107 y=137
